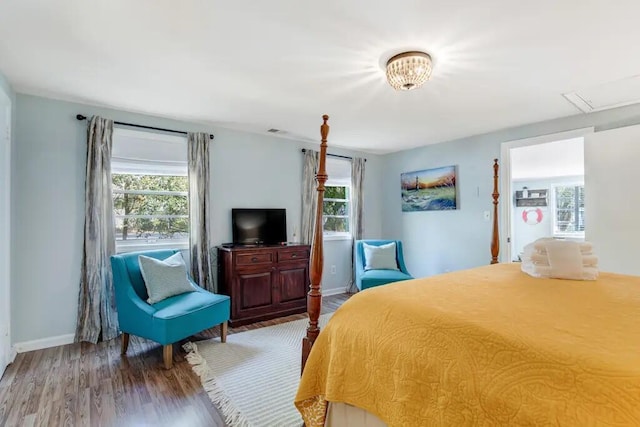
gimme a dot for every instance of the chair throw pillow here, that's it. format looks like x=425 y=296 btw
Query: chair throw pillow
x=381 y=257
x=164 y=278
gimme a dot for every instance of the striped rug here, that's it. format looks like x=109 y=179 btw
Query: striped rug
x=252 y=379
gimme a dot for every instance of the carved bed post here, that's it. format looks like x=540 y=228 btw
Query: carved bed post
x=314 y=297
x=495 y=238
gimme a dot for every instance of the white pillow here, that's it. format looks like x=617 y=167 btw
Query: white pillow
x=164 y=278
x=381 y=257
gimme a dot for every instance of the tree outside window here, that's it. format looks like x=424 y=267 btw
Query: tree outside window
x=150 y=209
x=336 y=210
x=569 y=210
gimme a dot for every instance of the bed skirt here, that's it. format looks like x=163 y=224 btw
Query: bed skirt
x=341 y=415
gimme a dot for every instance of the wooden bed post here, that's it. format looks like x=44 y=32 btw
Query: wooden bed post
x=314 y=297
x=495 y=238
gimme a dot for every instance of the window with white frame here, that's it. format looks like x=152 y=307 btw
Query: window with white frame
x=336 y=210
x=150 y=190
x=568 y=210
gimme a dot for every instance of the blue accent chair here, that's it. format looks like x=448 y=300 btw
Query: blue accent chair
x=166 y=321
x=370 y=278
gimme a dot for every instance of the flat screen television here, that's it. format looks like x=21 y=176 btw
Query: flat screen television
x=259 y=226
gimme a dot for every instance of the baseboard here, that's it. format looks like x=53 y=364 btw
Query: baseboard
x=23 y=347
x=336 y=291
x=12 y=354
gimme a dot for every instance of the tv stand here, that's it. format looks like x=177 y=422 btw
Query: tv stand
x=258 y=245
x=264 y=282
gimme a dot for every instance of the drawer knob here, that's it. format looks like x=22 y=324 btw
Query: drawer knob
x=294 y=255
x=254 y=259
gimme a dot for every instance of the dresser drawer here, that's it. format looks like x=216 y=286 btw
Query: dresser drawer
x=293 y=255
x=254 y=258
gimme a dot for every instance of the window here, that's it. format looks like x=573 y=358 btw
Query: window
x=150 y=191
x=336 y=212
x=150 y=209
x=568 y=218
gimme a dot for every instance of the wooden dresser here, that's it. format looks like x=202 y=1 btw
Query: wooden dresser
x=264 y=282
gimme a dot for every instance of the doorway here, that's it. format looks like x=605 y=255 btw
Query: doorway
x=5 y=237
x=542 y=187
x=547 y=182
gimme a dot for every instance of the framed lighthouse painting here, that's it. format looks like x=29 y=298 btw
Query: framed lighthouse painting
x=429 y=189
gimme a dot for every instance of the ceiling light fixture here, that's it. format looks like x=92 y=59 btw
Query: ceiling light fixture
x=408 y=70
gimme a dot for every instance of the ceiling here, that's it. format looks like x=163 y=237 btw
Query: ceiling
x=255 y=65
x=549 y=160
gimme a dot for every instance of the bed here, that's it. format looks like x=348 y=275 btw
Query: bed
x=485 y=346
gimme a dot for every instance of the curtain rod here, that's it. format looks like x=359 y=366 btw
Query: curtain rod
x=81 y=117
x=304 y=150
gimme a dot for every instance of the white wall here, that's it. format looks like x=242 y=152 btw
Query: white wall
x=540 y=160
x=612 y=202
x=6 y=124
x=439 y=241
x=248 y=170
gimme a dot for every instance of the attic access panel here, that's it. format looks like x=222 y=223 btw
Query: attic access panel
x=607 y=95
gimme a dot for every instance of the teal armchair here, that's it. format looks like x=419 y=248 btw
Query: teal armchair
x=166 y=321
x=370 y=278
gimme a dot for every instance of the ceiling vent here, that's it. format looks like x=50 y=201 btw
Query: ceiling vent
x=607 y=95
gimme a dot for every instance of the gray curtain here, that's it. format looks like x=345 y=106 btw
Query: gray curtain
x=357 y=203
x=309 y=196
x=198 y=159
x=357 y=196
x=97 y=317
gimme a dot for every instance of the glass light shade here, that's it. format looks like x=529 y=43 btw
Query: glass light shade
x=408 y=70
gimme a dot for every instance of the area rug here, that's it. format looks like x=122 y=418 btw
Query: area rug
x=252 y=379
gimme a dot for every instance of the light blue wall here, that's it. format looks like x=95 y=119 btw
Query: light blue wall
x=436 y=242
x=248 y=170
x=48 y=200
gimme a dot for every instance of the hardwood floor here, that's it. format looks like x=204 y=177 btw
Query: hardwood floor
x=93 y=385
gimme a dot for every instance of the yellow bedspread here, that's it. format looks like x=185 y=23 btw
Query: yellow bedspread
x=483 y=347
